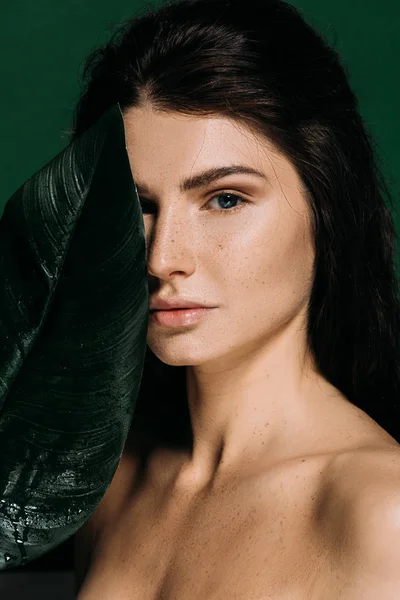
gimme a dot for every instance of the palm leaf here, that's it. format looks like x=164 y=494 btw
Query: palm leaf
x=73 y=325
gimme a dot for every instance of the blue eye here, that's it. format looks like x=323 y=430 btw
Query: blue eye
x=148 y=206
x=229 y=201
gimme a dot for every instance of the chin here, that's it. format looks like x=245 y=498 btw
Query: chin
x=176 y=361
x=182 y=357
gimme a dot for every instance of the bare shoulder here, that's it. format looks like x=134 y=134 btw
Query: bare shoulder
x=140 y=443
x=367 y=476
x=364 y=519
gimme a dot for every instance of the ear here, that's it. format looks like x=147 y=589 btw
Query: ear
x=73 y=326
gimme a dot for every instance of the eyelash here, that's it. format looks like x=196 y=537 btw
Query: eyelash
x=231 y=210
x=235 y=209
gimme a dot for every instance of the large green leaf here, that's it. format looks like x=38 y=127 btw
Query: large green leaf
x=73 y=326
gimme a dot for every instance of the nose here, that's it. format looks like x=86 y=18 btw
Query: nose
x=169 y=245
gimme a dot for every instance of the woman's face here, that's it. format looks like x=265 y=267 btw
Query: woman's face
x=254 y=264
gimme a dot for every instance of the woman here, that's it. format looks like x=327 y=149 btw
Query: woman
x=263 y=461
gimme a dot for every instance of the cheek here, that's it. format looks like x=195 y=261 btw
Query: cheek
x=268 y=266
x=288 y=275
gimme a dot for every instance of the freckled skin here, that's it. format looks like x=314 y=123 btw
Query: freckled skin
x=250 y=511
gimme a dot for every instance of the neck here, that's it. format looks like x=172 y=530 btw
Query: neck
x=253 y=407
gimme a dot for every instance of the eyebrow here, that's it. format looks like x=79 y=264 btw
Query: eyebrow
x=209 y=176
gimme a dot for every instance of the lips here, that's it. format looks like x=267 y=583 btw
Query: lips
x=179 y=317
x=177 y=304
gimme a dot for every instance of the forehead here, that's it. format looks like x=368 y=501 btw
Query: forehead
x=179 y=149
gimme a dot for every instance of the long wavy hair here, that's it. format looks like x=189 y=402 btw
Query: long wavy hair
x=260 y=62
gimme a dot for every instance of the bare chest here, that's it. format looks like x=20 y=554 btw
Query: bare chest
x=253 y=541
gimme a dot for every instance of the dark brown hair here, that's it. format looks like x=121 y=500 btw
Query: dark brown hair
x=259 y=62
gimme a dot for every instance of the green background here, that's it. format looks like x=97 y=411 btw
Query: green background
x=44 y=44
